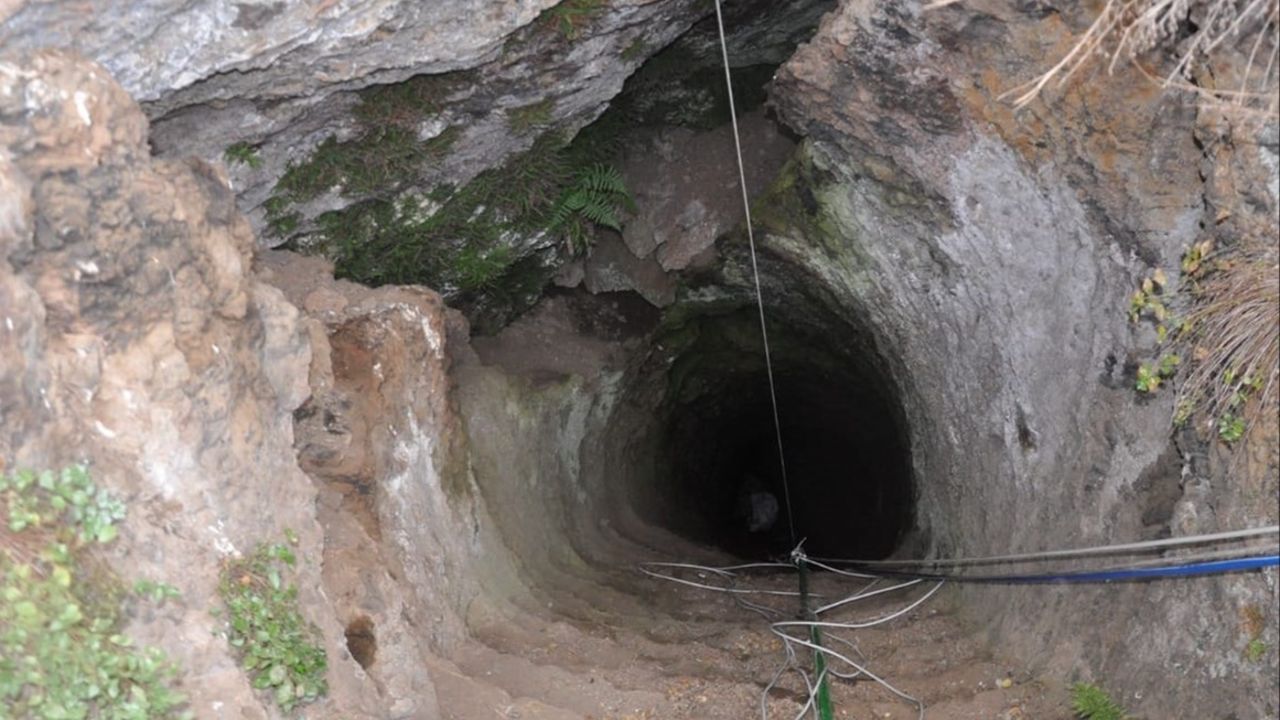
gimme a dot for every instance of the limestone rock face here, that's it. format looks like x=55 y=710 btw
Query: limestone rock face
x=134 y=338
x=992 y=255
x=282 y=76
x=170 y=53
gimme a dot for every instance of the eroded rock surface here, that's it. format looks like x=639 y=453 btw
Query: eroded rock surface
x=134 y=338
x=993 y=255
x=136 y=341
x=282 y=77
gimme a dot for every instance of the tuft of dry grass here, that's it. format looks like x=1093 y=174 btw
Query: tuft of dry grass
x=1233 y=332
x=1200 y=33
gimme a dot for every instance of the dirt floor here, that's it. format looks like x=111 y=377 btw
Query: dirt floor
x=697 y=654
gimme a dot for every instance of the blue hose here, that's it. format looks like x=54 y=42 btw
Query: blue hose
x=1103 y=576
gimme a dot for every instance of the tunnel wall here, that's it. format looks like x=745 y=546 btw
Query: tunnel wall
x=993 y=257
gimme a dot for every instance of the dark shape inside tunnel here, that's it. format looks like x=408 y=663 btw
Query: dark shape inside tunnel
x=848 y=463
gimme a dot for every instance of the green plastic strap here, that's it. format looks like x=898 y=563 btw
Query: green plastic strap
x=826 y=710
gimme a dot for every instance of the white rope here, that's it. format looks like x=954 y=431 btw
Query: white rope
x=755 y=271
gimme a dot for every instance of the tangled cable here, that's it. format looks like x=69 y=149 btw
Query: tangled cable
x=845 y=663
x=837 y=656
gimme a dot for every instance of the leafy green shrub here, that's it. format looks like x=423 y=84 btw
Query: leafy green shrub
x=277 y=646
x=1091 y=702
x=62 y=654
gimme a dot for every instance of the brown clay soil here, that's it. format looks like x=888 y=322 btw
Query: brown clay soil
x=696 y=654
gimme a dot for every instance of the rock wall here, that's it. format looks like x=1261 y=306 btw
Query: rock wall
x=134 y=337
x=993 y=255
x=136 y=340
x=282 y=77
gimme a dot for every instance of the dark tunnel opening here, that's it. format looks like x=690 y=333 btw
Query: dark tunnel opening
x=848 y=460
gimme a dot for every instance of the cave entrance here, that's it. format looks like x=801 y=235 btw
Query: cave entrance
x=847 y=454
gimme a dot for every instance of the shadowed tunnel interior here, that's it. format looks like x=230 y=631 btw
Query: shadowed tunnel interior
x=847 y=457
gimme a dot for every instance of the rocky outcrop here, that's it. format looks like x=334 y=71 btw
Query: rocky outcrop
x=280 y=78
x=992 y=255
x=136 y=339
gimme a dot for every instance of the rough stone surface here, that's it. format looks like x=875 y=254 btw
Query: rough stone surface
x=282 y=76
x=379 y=435
x=686 y=187
x=612 y=267
x=134 y=339
x=992 y=256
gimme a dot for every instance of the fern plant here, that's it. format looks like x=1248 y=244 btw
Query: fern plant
x=1091 y=702
x=595 y=197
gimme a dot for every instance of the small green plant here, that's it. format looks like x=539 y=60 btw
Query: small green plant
x=157 y=591
x=1255 y=650
x=243 y=153
x=1148 y=299
x=1230 y=427
x=1151 y=376
x=527 y=117
x=595 y=197
x=277 y=646
x=62 y=654
x=1091 y=702
x=480 y=269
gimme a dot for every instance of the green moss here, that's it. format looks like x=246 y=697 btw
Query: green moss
x=372 y=163
x=406 y=104
x=570 y=17
x=441 y=144
x=283 y=225
x=638 y=48
x=459 y=242
x=1255 y=650
x=801 y=202
x=527 y=117
x=62 y=654
x=384 y=155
